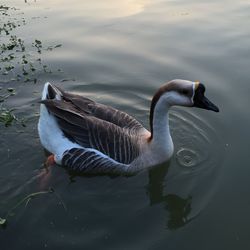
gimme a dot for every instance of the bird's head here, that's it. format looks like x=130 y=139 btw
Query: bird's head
x=180 y=93
x=183 y=93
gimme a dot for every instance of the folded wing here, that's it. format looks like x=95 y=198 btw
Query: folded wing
x=97 y=126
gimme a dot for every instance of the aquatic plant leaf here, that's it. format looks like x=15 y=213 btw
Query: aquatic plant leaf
x=7 y=117
x=38 y=41
x=2 y=221
x=11 y=90
x=16 y=62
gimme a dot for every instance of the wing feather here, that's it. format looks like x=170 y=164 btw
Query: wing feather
x=102 y=111
x=90 y=131
x=91 y=162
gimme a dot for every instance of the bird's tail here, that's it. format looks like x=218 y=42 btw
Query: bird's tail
x=51 y=92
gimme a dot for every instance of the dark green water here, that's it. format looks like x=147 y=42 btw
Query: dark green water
x=119 y=53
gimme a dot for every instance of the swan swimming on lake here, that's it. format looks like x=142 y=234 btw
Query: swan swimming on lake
x=90 y=137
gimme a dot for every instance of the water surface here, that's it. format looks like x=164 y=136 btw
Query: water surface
x=118 y=53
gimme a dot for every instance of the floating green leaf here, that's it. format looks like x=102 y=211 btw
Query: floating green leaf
x=7 y=117
x=15 y=62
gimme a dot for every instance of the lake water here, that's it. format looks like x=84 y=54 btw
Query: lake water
x=118 y=53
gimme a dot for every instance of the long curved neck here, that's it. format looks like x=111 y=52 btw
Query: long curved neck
x=159 y=123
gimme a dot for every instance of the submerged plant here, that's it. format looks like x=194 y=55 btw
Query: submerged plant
x=26 y=200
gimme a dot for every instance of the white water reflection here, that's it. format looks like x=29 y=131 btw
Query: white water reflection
x=100 y=9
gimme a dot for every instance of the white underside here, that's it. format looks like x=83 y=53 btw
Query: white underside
x=53 y=139
x=51 y=136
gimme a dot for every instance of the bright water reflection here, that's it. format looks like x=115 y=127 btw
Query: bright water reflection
x=98 y=9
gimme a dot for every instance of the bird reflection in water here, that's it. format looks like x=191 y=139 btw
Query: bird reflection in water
x=178 y=208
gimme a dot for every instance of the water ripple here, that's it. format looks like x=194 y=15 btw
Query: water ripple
x=187 y=157
x=198 y=152
x=195 y=140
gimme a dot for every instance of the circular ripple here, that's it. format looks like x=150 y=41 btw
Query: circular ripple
x=187 y=157
x=194 y=139
x=198 y=154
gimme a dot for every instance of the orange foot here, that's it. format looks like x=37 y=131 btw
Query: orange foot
x=50 y=161
x=46 y=172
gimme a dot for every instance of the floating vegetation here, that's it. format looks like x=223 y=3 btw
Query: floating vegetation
x=26 y=200
x=7 y=116
x=10 y=92
x=68 y=79
x=4 y=9
x=54 y=47
x=20 y=60
x=38 y=45
x=13 y=43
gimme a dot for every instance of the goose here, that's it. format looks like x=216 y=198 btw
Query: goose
x=88 y=137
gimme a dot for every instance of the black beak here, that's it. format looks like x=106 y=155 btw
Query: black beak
x=200 y=101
